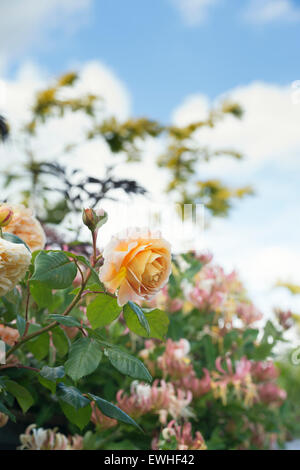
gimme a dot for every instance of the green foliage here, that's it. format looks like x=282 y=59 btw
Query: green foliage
x=21 y=325
x=84 y=358
x=72 y=396
x=157 y=320
x=103 y=310
x=60 y=341
x=39 y=346
x=128 y=365
x=54 y=269
x=80 y=417
x=21 y=394
x=52 y=373
x=112 y=411
x=66 y=321
x=10 y=237
x=41 y=293
x=140 y=314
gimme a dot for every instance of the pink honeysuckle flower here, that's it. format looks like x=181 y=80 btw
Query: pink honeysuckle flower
x=239 y=377
x=174 y=362
x=183 y=436
x=198 y=387
x=204 y=257
x=248 y=313
x=264 y=371
x=175 y=305
x=101 y=421
x=270 y=393
x=48 y=439
x=160 y=398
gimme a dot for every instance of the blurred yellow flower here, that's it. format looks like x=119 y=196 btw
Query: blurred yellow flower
x=26 y=227
x=14 y=262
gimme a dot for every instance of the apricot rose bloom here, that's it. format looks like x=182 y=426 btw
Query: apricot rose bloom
x=136 y=265
x=26 y=227
x=14 y=262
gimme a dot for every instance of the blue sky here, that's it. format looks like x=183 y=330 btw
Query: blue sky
x=169 y=60
x=162 y=58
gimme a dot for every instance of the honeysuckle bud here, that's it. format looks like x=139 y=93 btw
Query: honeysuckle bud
x=6 y=215
x=94 y=219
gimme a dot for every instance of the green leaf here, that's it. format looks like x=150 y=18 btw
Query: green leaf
x=12 y=304
x=10 y=237
x=65 y=320
x=47 y=384
x=52 y=373
x=60 y=341
x=79 y=417
x=94 y=278
x=157 y=319
x=21 y=394
x=6 y=411
x=211 y=351
x=41 y=293
x=250 y=335
x=112 y=411
x=128 y=365
x=140 y=314
x=103 y=310
x=72 y=396
x=21 y=325
x=55 y=269
x=84 y=358
x=39 y=346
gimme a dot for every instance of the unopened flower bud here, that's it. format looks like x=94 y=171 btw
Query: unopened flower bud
x=94 y=219
x=6 y=215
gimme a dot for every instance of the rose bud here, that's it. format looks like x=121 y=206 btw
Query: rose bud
x=94 y=219
x=6 y=215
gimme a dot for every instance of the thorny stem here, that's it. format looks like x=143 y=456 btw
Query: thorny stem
x=94 y=236
x=26 y=310
x=98 y=292
x=18 y=366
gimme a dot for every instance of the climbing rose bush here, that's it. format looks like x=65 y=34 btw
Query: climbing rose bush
x=54 y=320
x=130 y=338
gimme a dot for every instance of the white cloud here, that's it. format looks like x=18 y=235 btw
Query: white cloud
x=95 y=78
x=259 y=262
x=267 y=133
x=23 y=22
x=266 y=11
x=194 y=11
x=260 y=239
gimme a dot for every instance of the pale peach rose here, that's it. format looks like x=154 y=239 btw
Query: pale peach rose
x=14 y=262
x=137 y=265
x=26 y=227
x=9 y=335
